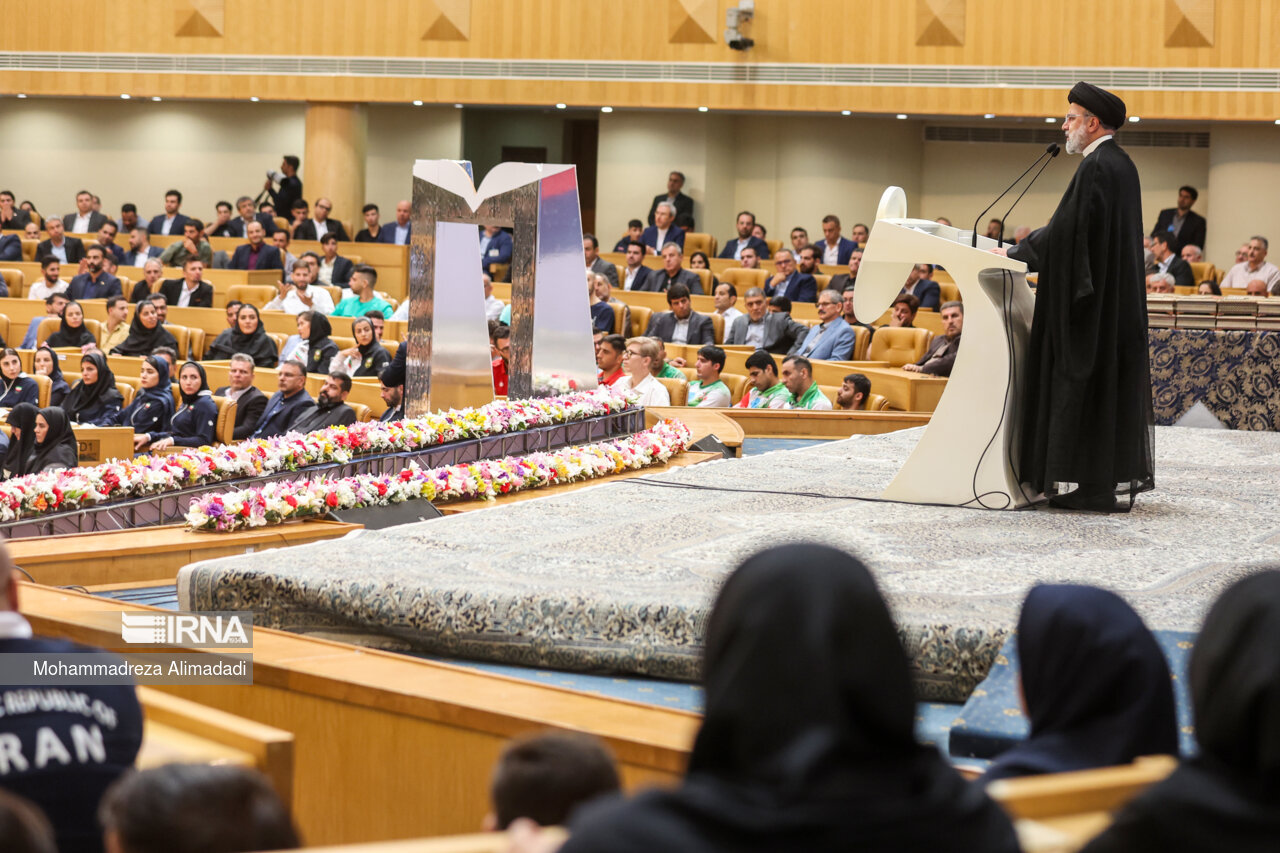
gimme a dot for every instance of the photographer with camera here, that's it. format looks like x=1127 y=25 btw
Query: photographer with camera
x=290 y=186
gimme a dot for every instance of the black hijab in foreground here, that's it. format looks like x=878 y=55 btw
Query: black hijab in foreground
x=1097 y=687
x=256 y=344
x=89 y=398
x=807 y=743
x=59 y=445
x=1228 y=797
x=23 y=417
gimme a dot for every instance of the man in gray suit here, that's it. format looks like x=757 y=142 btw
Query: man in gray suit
x=776 y=331
x=673 y=272
x=85 y=220
x=681 y=325
x=595 y=263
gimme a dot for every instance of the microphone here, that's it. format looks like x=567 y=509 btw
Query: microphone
x=1053 y=151
x=1050 y=151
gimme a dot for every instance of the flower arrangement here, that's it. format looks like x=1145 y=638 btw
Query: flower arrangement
x=280 y=501
x=119 y=479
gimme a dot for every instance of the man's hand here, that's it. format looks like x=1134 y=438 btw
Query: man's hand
x=267 y=185
x=999 y=250
x=283 y=286
x=676 y=362
x=911 y=368
x=305 y=296
x=190 y=246
x=140 y=440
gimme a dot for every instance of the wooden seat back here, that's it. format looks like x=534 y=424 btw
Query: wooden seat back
x=639 y=320
x=225 y=429
x=744 y=279
x=737 y=385
x=15 y=280
x=898 y=346
x=44 y=386
x=678 y=389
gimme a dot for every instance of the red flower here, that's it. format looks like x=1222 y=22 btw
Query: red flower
x=382 y=488
x=331 y=499
x=244 y=511
x=291 y=501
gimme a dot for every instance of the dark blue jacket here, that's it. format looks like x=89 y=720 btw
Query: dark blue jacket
x=84 y=287
x=281 y=414
x=192 y=426
x=268 y=258
x=499 y=250
x=23 y=390
x=843 y=250
x=149 y=413
x=761 y=247
x=157 y=222
x=928 y=292
x=10 y=247
x=800 y=287
x=675 y=234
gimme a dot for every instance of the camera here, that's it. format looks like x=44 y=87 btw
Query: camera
x=275 y=175
x=734 y=18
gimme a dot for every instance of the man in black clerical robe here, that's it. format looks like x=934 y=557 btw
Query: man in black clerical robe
x=1086 y=420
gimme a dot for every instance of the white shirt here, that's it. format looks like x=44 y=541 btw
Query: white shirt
x=291 y=304
x=167 y=226
x=681 y=333
x=233 y=395
x=402 y=234
x=662 y=238
x=1240 y=275
x=629 y=277
x=739 y=246
x=492 y=307
x=326 y=271
x=830 y=254
x=485 y=240
x=402 y=313
x=729 y=314
x=651 y=391
x=1093 y=146
x=184 y=295
x=322 y=228
x=42 y=291
x=81 y=225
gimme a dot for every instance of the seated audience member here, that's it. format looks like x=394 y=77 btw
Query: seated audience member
x=363 y=298
x=116 y=328
x=257 y=254
x=833 y=338
x=195 y=423
x=72 y=332
x=195 y=808
x=146 y=332
x=726 y=301
x=95 y=282
x=24 y=827
x=1255 y=265
x=152 y=407
x=221 y=225
x=604 y=292
x=681 y=204
x=320 y=225
x=1225 y=797
x=31 y=231
x=1192 y=254
x=922 y=287
x=1257 y=287
x=733 y=247
x=765 y=390
x=94 y=399
x=707 y=391
x=107 y=240
x=1160 y=282
x=609 y=358
x=797 y=375
x=240 y=225
x=372 y=230
x=49 y=282
x=762 y=329
x=22 y=439
x=366 y=358
x=45 y=363
x=334 y=269
x=1209 y=288
x=1094 y=682
x=595 y=263
x=280 y=239
x=995 y=228
x=192 y=245
x=56 y=448
x=940 y=357
x=171 y=221
x=700 y=261
x=295 y=346
x=807 y=742
x=602 y=318
x=299 y=294
x=681 y=325
x=760 y=231
x=544 y=777
x=17 y=386
x=12 y=217
x=854 y=393
x=162 y=306
x=780 y=305
x=673 y=273
x=846 y=281
x=250 y=402
x=846 y=309
x=860 y=234
x=637 y=276
x=500 y=353
x=834 y=248
x=749 y=260
x=400 y=232
x=140 y=250
x=287 y=404
x=86 y=744
x=799 y=239
x=638 y=360
x=170 y=355
x=379 y=323
x=807 y=260
x=664 y=369
x=495 y=247
x=321 y=349
x=788 y=282
x=331 y=407
x=392 y=394
x=68 y=250
x=152 y=272
x=1021 y=233
x=247 y=337
x=663 y=230
x=1167 y=262
x=635 y=230
x=190 y=291
x=902 y=313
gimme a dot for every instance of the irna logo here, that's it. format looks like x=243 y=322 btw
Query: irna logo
x=188 y=629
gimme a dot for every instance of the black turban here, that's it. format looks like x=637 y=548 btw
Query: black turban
x=1109 y=109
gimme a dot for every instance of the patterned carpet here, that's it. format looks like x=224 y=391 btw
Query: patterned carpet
x=619 y=577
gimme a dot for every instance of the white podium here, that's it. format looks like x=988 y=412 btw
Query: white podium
x=968 y=452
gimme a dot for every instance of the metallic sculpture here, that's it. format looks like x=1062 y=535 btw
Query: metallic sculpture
x=448 y=362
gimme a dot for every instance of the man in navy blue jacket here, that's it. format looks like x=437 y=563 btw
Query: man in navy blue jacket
x=95 y=282
x=733 y=247
x=495 y=247
x=171 y=221
x=288 y=404
x=63 y=745
x=790 y=282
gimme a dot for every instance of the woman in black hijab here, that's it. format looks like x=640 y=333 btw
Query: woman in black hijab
x=56 y=446
x=145 y=333
x=152 y=409
x=15 y=386
x=1228 y=797
x=1096 y=685
x=72 y=332
x=94 y=399
x=367 y=357
x=248 y=336
x=807 y=742
x=320 y=349
x=195 y=422
x=22 y=439
x=45 y=363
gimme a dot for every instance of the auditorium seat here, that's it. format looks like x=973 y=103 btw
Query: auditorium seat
x=861 y=340
x=225 y=428
x=29 y=250
x=948 y=291
x=127 y=390
x=744 y=279
x=47 y=327
x=698 y=242
x=343 y=342
x=774 y=246
x=4 y=329
x=44 y=386
x=390 y=346
x=499 y=272
x=1099 y=791
x=363 y=413
x=678 y=389
x=197 y=342
x=282 y=224
x=356 y=260
x=824 y=281
x=279 y=339
x=717 y=326
x=618 y=309
x=876 y=403
x=704 y=276
x=256 y=295
x=182 y=335
x=898 y=346
x=15 y=281
x=335 y=292
x=639 y=319
x=689 y=373
x=1204 y=271
x=737 y=384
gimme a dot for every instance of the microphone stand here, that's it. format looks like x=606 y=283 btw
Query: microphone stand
x=1053 y=151
x=1049 y=151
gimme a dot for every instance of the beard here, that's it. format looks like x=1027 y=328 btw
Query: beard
x=1076 y=142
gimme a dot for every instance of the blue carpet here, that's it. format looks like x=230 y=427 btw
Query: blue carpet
x=757 y=446
x=152 y=596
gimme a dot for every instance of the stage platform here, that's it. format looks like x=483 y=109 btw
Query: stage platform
x=619 y=577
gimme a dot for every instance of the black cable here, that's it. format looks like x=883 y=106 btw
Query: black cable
x=645 y=481
x=25 y=573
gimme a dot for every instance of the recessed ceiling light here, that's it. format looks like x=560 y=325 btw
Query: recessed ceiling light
x=989 y=115
x=1277 y=120
x=560 y=106
x=254 y=98
x=846 y=112
x=20 y=95
x=606 y=109
x=902 y=115
x=155 y=97
x=417 y=103
x=702 y=109
x=457 y=106
x=1050 y=120
x=1135 y=119
x=124 y=97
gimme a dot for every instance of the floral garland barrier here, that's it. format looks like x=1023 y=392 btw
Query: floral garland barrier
x=122 y=479
x=281 y=501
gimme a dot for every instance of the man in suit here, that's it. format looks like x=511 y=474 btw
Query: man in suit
x=10 y=247
x=221 y=226
x=635 y=230
x=94 y=282
x=320 y=224
x=392 y=395
x=681 y=325
x=664 y=230
x=331 y=407
x=761 y=328
x=636 y=276
x=1168 y=262
x=401 y=231
x=790 y=282
x=190 y=291
x=595 y=263
x=171 y=221
x=107 y=240
x=733 y=247
x=940 y=357
x=69 y=250
x=257 y=254
x=833 y=338
x=681 y=204
x=240 y=225
x=1183 y=225
x=140 y=250
x=85 y=220
x=922 y=287
x=129 y=218
x=834 y=249
x=846 y=280
x=495 y=247
x=334 y=269
x=673 y=272
x=290 y=185
x=250 y=402
x=286 y=405
x=12 y=217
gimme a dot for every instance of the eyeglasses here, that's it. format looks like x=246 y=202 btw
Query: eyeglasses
x=1070 y=117
x=324 y=207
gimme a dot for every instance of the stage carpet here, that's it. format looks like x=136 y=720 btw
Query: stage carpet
x=619 y=577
